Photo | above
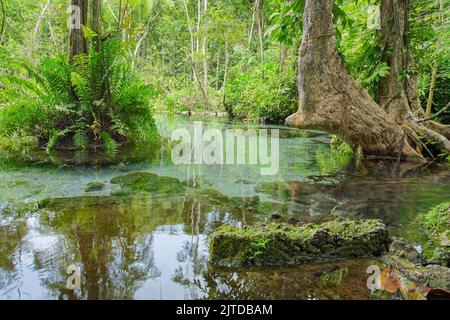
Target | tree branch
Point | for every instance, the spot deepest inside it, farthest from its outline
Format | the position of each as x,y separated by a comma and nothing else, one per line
434,116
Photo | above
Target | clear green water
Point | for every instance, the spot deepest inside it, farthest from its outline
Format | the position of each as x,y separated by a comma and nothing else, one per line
153,244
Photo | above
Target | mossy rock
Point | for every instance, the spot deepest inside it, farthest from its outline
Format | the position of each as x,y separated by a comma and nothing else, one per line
283,244
436,224
144,182
94,186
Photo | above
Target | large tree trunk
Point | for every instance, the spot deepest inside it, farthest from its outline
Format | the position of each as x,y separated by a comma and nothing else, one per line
96,17
332,100
77,43
397,54
398,91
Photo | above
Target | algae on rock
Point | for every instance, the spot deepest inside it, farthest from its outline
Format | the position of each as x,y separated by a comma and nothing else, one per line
436,224
283,244
144,182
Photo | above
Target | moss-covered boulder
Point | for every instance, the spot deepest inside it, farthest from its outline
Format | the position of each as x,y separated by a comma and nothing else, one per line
436,224
283,244
144,182
94,186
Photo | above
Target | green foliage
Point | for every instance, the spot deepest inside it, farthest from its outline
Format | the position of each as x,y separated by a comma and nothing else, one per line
97,101
256,96
430,43
16,143
436,226
338,156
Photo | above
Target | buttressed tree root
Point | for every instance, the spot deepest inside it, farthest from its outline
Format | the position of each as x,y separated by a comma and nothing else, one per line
333,101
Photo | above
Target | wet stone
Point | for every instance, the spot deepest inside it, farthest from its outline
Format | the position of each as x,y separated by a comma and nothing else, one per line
404,249
283,244
144,182
94,186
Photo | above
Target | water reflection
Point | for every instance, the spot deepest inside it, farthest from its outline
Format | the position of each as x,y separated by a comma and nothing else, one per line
146,237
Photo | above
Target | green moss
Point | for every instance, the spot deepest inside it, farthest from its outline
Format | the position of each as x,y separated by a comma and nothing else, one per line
283,244
144,182
94,186
436,224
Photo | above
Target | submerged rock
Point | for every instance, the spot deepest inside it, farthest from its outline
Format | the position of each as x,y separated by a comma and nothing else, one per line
283,244
436,224
144,182
404,249
94,186
414,281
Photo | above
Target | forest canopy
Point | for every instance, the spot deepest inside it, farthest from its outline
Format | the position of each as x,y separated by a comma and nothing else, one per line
99,87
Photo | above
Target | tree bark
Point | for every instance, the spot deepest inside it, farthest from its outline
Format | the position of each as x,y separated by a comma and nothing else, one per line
204,57
2,27
260,9
332,100
398,91
225,78
435,65
77,42
397,54
252,27
96,17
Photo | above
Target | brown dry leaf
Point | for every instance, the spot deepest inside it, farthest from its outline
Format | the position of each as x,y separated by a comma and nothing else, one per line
389,280
411,290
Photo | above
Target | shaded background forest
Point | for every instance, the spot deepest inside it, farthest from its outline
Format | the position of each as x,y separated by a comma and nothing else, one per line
233,56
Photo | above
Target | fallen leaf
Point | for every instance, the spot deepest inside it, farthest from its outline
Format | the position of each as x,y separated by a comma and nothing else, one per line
389,280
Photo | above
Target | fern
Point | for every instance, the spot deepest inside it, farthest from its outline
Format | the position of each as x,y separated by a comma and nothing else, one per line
80,139
109,143
96,99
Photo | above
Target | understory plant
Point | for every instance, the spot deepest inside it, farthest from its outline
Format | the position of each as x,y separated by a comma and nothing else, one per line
262,92
95,102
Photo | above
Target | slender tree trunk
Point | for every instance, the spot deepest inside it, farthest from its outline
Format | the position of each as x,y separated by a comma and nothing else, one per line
52,32
435,65
191,33
332,100
37,27
282,58
204,57
217,70
2,27
225,78
197,47
261,31
432,88
252,28
193,59
77,43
